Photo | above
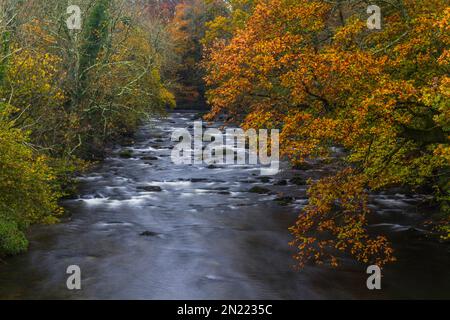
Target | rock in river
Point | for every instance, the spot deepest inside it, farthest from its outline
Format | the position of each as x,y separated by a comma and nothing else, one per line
149,158
281,183
299,181
284,201
150,188
126,154
260,190
148,234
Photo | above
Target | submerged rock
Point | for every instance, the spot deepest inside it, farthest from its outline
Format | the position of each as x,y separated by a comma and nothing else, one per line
302,166
126,154
195,180
148,234
149,158
259,190
222,188
413,232
248,181
150,188
265,179
284,201
281,183
299,181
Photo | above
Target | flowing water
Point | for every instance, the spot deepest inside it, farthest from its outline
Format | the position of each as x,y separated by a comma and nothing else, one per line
204,236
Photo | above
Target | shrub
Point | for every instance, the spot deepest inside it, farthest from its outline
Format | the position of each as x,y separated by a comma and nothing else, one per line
28,192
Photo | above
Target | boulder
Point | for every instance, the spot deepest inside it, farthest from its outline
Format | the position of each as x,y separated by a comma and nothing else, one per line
259,190
148,234
284,201
299,181
150,188
126,154
149,158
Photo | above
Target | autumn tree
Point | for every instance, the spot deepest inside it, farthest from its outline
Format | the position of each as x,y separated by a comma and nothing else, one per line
314,70
187,29
65,95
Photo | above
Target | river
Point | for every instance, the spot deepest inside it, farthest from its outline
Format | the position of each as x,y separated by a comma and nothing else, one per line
204,236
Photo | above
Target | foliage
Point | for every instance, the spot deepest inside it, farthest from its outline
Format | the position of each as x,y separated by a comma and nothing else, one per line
231,20
187,30
96,36
314,69
66,95
28,193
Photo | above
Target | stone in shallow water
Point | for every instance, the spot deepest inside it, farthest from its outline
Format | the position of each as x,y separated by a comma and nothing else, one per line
302,166
221,188
265,179
149,158
148,234
126,154
150,188
195,180
248,181
281,183
299,181
284,201
259,190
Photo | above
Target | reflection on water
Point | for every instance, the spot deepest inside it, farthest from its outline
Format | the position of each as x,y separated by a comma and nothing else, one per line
147,229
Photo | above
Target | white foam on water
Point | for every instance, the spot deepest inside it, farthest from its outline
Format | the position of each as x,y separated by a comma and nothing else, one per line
201,191
89,178
214,277
147,149
110,224
393,226
138,200
186,194
391,202
173,183
95,201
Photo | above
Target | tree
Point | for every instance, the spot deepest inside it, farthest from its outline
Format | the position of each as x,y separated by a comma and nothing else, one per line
313,69
28,193
66,95
187,29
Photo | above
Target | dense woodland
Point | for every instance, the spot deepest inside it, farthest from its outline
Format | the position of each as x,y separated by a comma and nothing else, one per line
310,68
